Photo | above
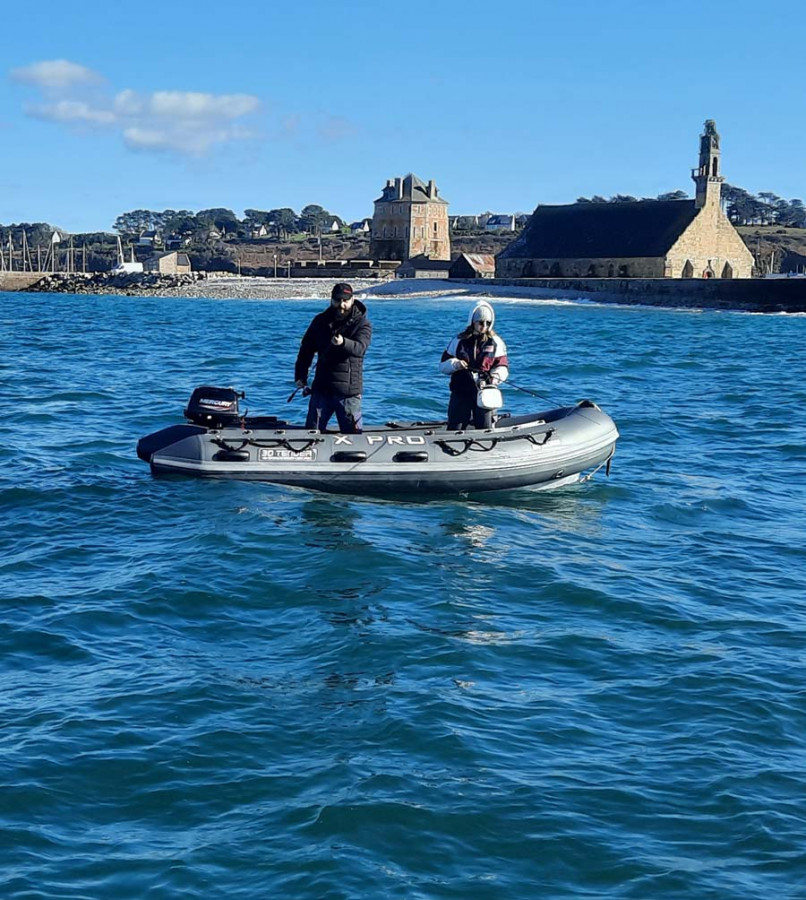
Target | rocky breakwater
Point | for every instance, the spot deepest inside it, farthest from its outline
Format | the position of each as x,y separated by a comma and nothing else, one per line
133,284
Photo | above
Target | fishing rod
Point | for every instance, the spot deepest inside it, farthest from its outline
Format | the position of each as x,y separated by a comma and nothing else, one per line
516,386
305,389
552,401
305,392
530,392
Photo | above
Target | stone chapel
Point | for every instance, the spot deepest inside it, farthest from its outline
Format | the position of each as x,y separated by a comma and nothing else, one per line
635,239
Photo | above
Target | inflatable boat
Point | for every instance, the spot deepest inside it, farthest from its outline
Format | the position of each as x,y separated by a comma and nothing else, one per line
543,450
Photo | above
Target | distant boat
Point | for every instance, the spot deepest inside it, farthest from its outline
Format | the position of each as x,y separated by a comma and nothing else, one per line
126,268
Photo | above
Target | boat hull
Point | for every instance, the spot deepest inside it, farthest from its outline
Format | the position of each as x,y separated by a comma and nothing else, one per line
542,450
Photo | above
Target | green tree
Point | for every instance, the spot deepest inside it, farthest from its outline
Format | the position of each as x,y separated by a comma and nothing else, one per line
182,222
255,217
740,206
282,221
37,234
795,215
314,218
223,220
134,222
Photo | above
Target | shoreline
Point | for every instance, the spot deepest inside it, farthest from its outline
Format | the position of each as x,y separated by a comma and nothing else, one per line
743,295
748,295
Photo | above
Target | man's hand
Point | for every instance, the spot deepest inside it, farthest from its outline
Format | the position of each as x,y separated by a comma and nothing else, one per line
337,340
299,383
463,364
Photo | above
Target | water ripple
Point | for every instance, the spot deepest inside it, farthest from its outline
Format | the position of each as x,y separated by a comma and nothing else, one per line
241,690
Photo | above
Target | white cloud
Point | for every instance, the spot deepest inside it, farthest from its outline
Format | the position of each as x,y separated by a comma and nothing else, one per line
188,122
55,74
190,105
182,122
182,137
145,138
128,103
185,105
72,111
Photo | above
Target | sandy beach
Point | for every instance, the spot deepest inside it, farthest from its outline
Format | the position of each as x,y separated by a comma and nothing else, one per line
224,286
248,288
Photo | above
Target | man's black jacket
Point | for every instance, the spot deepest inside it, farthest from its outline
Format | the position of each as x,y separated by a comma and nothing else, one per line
339,370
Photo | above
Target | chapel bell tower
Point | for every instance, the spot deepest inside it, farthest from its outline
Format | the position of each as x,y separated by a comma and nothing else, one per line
708,175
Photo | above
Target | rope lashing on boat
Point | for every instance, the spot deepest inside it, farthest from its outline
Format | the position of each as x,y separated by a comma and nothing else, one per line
272,444
533,439
478,444
469,444
224,445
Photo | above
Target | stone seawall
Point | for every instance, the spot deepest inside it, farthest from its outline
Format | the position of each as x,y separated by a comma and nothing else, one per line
768,295
18,281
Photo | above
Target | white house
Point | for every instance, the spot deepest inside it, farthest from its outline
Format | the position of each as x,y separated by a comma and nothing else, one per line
500,223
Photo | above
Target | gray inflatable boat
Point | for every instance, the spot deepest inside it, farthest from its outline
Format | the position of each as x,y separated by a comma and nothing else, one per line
543,450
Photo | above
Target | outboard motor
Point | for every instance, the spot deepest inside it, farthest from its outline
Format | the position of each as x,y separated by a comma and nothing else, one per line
214,407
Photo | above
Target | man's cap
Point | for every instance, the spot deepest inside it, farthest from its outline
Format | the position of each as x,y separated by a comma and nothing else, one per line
341,291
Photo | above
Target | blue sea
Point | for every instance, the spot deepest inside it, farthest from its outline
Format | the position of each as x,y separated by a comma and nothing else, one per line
238,690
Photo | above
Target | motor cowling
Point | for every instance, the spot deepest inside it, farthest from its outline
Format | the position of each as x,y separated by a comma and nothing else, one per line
214,407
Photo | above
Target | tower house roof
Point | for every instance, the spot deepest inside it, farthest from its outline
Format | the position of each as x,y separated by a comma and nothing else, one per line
410,188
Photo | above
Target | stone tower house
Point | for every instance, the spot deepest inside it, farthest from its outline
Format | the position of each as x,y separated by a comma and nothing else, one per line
410,219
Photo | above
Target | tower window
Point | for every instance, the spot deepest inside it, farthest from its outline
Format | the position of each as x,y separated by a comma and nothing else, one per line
714,165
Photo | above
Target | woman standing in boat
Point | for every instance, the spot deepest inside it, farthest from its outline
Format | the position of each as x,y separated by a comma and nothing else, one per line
474,358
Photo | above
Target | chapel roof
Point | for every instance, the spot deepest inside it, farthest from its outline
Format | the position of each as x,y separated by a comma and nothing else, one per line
600,230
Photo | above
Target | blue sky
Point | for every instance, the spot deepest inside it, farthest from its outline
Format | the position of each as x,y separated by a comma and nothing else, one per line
110,107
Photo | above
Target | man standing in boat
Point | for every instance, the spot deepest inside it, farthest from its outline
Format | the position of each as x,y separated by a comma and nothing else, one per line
339,337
